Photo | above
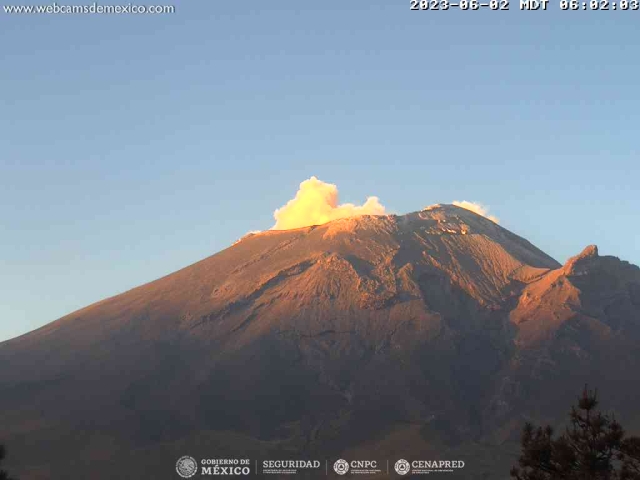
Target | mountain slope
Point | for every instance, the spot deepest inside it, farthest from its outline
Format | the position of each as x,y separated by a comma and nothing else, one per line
423,332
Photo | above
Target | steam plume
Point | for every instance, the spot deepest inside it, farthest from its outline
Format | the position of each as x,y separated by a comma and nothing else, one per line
316,202
476,208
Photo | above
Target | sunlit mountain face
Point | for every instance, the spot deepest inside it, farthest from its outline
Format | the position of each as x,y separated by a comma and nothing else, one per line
435,334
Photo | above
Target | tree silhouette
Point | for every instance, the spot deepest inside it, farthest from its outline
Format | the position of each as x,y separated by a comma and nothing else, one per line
593,447
3,474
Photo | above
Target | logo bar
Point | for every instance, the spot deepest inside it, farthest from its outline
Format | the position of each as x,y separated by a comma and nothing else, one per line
188,467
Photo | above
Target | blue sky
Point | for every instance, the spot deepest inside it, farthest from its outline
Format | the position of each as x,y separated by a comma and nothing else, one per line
131,146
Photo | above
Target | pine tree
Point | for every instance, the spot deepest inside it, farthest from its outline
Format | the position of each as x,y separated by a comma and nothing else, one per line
3,474
593,447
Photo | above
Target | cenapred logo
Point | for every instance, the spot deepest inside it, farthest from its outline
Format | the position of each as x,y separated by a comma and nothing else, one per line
187,466
341,466
418,467
402,467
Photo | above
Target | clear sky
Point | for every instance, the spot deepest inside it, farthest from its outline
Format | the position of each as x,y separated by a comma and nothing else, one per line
131,146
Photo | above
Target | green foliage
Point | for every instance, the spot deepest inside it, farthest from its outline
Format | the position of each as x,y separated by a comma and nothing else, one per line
593,447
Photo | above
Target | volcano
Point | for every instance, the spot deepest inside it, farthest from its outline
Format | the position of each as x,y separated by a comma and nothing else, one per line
435,334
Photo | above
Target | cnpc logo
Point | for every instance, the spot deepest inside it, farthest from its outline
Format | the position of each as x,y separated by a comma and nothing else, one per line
341,467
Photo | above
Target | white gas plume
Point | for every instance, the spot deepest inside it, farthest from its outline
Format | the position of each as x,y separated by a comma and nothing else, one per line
476,208
316,202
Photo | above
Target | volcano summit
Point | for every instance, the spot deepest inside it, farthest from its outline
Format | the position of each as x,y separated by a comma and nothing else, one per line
430,335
